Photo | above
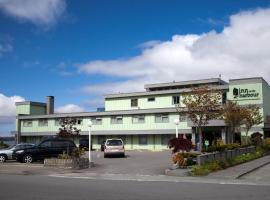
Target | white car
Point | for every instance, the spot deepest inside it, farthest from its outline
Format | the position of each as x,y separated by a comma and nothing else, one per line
114,147
6,154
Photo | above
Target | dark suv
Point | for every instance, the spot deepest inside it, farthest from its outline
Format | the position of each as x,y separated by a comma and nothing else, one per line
46,149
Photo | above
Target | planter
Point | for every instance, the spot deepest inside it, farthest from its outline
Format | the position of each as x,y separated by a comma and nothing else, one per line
73,163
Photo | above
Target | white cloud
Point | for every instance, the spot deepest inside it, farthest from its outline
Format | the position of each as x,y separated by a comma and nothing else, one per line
69,108
241,49
39,12
8,108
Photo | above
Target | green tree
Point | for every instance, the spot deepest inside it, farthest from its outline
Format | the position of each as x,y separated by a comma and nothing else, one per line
201,105
68,128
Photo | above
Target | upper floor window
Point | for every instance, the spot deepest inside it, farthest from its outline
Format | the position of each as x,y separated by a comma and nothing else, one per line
134,102
79,121
27,123
224,98
175,100
138,119
43,122
151,99
96,120
117,120
162,118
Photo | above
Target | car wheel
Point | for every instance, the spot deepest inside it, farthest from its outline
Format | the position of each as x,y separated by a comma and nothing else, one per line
28,159
105,156
3,158
123,155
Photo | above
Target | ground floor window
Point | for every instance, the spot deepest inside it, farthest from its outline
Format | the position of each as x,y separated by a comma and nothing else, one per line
143,140
165,139
101,139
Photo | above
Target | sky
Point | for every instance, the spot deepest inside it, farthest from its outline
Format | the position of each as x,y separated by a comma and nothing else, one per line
78,51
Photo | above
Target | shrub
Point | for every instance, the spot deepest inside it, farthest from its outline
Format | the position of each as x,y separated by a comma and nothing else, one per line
223,147
76,153
201,170
179,144
3,145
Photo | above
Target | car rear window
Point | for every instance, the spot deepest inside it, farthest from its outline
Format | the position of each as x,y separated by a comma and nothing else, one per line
114,143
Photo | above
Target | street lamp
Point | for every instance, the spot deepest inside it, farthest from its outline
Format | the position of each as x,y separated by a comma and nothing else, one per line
89,139
176,122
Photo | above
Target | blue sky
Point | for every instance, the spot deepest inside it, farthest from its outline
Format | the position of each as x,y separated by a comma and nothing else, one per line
80,50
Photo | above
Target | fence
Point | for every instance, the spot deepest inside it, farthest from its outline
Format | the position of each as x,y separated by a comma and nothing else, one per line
223,155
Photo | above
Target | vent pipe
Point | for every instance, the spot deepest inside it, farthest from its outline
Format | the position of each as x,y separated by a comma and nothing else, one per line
50,105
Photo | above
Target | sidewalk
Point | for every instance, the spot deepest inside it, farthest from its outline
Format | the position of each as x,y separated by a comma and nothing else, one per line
238,171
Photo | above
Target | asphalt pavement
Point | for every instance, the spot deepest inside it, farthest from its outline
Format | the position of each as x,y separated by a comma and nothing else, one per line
26,187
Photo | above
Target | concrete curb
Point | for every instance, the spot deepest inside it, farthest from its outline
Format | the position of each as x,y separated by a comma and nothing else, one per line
252,170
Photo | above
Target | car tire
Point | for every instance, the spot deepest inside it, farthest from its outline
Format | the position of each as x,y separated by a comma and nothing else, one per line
28,158
123,155
105,156
3,158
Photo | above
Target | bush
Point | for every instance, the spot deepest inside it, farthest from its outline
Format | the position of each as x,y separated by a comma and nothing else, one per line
225,147
3,145
76,153
201,170
267,144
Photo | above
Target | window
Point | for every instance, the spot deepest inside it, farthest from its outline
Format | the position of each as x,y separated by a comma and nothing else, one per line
165,139
142,139
175,100
134,102
117,120
224,98
138,119
79,121
27,123
151,99
183,118
96,120
45,144
43,122
162,118
57,122
101,139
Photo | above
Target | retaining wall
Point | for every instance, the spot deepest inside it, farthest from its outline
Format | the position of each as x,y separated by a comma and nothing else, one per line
223,155
75,163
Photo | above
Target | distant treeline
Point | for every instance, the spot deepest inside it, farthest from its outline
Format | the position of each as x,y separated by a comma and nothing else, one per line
7,138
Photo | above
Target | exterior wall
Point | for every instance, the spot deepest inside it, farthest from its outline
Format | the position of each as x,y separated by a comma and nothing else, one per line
161,101
252,88
23,109
37,110
266,99
127,124
29,109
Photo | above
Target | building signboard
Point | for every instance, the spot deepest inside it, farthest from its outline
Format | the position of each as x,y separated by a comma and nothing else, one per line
245,94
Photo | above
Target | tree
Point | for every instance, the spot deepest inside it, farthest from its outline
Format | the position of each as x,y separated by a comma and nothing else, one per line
179,144
252,117
202,104
68,128
233,116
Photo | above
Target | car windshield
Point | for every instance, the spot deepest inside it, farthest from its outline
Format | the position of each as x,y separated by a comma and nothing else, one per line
12,146
114,143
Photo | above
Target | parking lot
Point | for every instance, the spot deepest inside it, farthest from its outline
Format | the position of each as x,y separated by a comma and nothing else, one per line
135,163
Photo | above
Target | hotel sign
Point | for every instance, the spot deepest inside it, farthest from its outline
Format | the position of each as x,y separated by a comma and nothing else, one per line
244,94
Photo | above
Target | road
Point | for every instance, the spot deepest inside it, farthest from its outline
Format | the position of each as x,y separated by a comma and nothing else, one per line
26,187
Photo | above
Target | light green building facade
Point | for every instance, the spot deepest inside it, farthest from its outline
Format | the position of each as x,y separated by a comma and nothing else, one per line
144,120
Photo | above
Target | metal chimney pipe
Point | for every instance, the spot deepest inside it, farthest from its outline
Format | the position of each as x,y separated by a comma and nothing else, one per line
50,105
